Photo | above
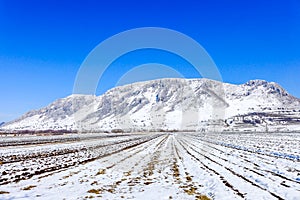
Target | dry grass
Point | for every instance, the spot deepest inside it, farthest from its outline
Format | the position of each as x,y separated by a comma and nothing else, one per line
94,191
111,190
94,183
202,197
175,170
189,179
29,187
191,191
127,173
101,171
148,183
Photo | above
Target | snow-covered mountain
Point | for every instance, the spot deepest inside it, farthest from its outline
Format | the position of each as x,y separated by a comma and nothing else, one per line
170,104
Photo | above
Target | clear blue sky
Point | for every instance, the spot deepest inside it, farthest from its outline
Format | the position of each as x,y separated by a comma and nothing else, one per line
43,43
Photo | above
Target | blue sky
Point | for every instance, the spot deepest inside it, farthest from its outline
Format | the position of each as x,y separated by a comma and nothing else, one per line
43,43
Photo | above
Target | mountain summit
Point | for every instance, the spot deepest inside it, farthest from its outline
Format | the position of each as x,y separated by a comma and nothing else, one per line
171,104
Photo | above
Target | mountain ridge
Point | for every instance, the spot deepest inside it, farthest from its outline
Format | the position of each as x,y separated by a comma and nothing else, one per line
170,104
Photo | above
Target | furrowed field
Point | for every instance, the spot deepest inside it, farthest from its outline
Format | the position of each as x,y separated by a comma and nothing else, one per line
151,166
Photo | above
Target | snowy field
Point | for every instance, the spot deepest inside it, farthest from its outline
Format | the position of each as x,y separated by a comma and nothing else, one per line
151,166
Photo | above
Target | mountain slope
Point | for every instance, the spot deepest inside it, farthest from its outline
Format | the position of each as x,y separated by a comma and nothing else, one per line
181,104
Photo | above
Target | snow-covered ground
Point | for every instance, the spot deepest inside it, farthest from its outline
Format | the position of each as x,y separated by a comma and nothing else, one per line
152,166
